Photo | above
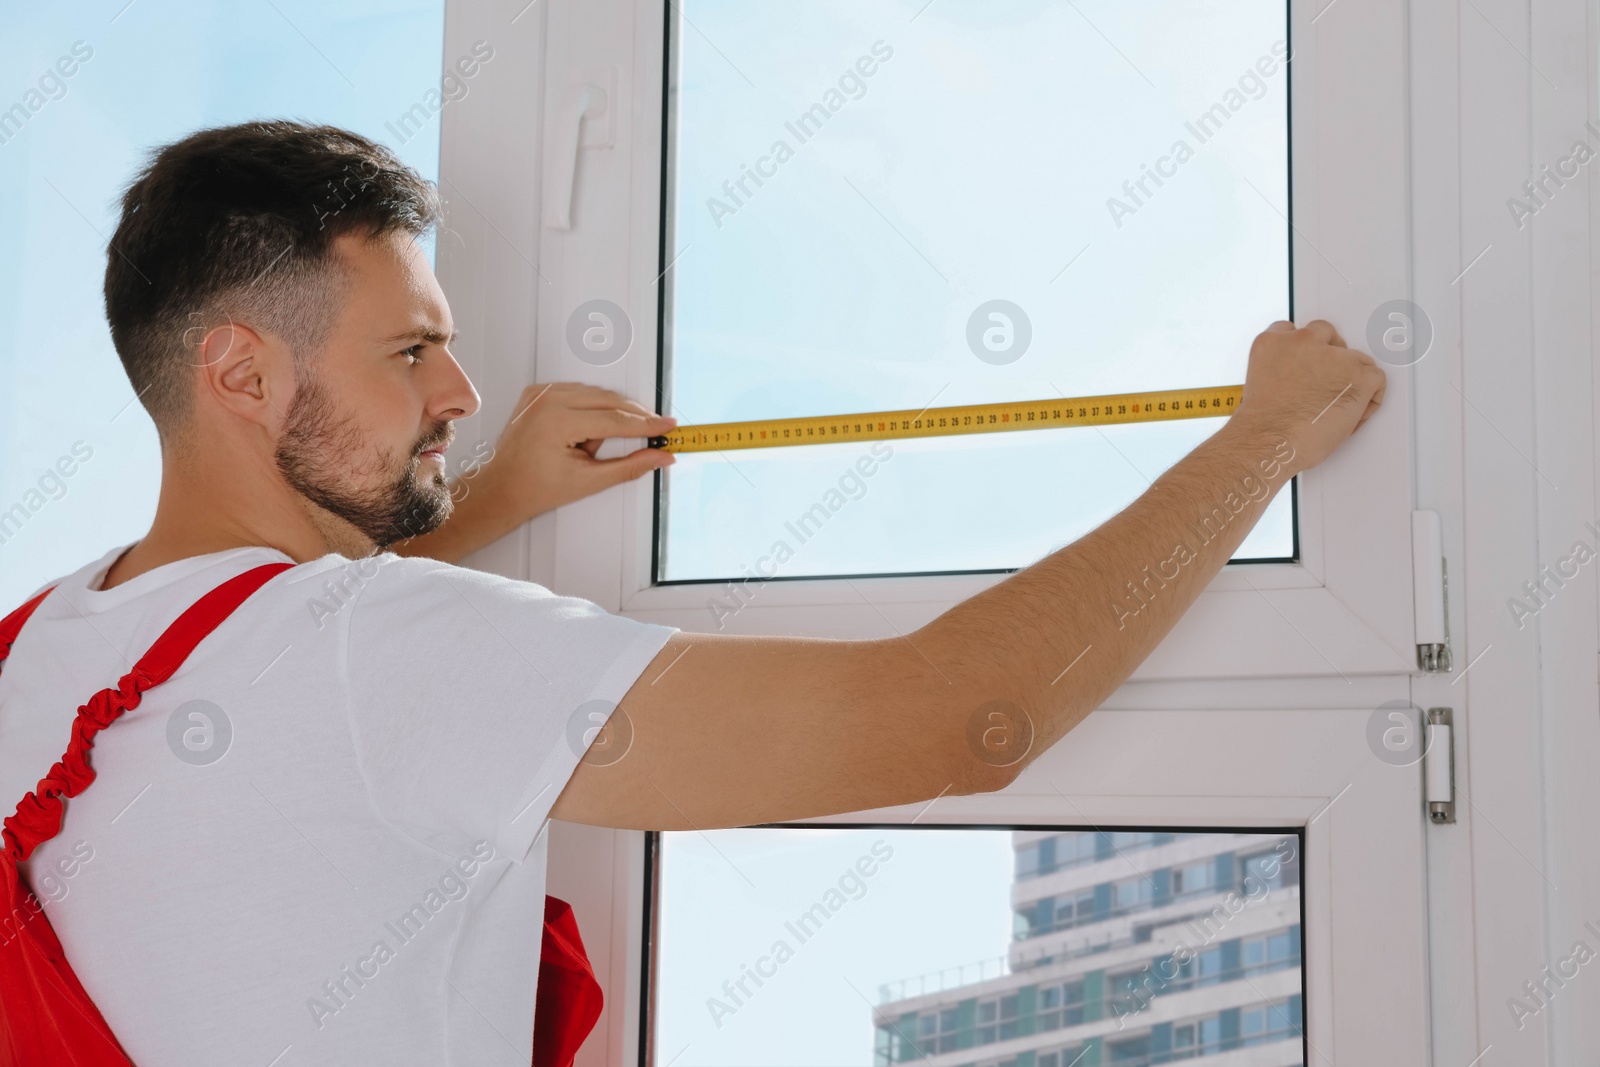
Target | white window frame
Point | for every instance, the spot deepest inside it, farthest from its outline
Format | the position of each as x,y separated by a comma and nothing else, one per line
1347,602
1362,871
1499,90
1479,117
1345,608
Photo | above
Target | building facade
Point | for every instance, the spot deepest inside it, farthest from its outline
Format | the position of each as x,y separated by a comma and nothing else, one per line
1131,948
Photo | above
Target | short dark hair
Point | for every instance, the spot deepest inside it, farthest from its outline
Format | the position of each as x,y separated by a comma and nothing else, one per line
237,223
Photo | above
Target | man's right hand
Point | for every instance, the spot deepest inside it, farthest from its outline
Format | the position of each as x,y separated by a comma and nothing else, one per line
1304,386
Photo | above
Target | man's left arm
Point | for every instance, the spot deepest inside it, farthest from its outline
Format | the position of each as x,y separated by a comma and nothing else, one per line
545,458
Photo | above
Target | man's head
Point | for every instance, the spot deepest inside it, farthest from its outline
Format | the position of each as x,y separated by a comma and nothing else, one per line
268,298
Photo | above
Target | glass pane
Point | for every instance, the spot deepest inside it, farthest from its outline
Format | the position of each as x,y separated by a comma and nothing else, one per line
143,75
856,181
797,947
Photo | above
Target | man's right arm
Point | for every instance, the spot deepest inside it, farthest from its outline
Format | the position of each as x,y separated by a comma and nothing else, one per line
732,731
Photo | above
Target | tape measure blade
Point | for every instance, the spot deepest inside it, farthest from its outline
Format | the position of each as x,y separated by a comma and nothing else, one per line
1059,413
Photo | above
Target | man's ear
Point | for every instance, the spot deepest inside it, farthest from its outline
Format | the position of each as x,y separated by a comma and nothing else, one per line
244,373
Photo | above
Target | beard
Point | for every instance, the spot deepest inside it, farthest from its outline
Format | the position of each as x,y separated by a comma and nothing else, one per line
323,455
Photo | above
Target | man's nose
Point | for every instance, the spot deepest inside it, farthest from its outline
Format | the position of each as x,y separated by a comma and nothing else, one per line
453,395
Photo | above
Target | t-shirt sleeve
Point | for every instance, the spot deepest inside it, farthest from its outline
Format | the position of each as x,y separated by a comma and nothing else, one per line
473,697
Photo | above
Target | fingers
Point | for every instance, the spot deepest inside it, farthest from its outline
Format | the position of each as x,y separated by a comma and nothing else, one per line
579,396
586,424
627,468
584,396
1375,401
1324,332
591,398
1320,330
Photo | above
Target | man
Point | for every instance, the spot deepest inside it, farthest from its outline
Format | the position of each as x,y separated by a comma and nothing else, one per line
357,876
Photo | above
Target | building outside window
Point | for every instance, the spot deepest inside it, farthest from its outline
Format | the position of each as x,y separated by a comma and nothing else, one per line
1060,852
1196,955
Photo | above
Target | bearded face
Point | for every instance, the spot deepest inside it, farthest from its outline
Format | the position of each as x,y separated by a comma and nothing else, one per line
325,457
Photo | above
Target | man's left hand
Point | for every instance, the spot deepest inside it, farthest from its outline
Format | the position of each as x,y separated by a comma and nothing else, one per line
546,455
545,458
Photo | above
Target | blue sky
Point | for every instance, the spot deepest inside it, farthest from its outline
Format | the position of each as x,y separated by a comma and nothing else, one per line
159,69
942,899
974,163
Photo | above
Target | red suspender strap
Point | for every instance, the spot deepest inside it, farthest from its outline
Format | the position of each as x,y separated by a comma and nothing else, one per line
569,1000
38,816
11,625
45,1015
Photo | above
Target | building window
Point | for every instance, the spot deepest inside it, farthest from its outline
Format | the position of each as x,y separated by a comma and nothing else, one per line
1209,966
987,1010
1269,870
1057,853
1130,993
1010,1024
1264,1023
1060,1005
1075,910
1133,1050
1271,952
1132,894
1036,859
1193,878
1076,848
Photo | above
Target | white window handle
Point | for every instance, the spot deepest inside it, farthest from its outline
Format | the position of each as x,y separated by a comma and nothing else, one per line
561,171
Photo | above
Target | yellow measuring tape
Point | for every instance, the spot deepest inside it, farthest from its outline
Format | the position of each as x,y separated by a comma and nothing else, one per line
1155,406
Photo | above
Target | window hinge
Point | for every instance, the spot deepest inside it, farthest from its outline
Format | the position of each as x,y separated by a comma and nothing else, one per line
1439,766
1430,592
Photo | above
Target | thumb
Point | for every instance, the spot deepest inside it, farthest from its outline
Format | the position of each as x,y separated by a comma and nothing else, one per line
627,468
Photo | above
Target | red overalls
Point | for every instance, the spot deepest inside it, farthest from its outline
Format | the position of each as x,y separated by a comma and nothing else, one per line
46,1017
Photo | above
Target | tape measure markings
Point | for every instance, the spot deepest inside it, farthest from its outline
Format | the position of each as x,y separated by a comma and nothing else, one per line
1109,410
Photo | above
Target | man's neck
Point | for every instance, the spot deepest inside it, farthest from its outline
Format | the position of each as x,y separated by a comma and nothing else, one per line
197,516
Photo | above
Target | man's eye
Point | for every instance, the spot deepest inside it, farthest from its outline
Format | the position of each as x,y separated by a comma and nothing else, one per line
414,353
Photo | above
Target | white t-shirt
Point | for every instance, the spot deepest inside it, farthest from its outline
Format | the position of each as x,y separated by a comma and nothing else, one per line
359,878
